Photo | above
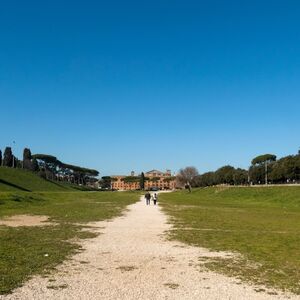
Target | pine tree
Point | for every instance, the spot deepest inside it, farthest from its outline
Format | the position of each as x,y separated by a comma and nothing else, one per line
27,164
142,181
8,158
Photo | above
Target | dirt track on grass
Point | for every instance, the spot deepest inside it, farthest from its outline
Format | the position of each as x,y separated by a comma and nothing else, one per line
26,220
133,260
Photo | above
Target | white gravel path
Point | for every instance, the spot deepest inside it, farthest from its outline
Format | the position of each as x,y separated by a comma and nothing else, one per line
133,260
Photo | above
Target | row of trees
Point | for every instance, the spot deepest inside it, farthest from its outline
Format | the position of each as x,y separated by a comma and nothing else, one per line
267,169
264,169
49,167
190,177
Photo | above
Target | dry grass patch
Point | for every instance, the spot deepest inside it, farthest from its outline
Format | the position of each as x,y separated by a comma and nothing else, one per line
172,286
126,268
57,287
26,220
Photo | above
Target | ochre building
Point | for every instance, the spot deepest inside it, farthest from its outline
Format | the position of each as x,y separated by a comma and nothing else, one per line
154,179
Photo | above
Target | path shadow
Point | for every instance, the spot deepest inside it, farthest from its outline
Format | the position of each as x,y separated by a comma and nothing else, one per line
14,185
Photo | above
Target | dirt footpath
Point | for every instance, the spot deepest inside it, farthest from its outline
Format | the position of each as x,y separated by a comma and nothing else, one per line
133,260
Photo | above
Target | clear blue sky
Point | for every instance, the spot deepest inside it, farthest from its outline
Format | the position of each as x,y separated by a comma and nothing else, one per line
136,85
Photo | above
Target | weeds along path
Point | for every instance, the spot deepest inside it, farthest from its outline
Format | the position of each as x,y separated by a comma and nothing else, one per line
132,259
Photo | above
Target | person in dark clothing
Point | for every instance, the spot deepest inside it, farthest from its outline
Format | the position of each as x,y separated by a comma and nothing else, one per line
148,198
188,187
155,198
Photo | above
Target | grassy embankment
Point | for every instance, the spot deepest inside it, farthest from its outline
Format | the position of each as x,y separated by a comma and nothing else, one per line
26,251
26,181
262,224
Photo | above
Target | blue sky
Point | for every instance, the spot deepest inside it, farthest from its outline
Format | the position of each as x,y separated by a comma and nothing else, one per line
137,85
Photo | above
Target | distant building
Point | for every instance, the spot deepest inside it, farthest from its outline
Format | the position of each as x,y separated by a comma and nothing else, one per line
154,179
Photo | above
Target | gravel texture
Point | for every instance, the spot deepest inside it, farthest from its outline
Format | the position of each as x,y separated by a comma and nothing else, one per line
133,260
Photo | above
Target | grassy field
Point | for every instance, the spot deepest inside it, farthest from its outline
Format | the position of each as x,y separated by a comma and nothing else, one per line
26,251
262,224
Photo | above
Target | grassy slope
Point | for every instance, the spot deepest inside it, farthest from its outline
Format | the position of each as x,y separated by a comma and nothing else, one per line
263,224
23,249
23,180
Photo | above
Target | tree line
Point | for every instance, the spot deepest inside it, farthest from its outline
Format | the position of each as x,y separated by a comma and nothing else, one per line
264,169
48,167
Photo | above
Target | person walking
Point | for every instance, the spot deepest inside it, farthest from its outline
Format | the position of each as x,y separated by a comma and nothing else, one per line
155,198
148,198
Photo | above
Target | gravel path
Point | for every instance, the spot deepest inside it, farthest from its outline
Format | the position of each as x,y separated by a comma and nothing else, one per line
133,260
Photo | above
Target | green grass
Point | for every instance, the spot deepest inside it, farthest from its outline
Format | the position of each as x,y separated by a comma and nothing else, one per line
262,224
23,180
27,251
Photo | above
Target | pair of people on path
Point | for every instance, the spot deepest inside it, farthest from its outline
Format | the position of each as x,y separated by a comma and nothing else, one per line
148,198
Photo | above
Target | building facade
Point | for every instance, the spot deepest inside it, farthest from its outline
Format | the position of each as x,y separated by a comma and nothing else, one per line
154,179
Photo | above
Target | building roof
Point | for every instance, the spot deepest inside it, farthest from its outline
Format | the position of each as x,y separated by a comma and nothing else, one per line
154,171
149,172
